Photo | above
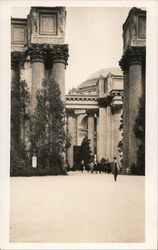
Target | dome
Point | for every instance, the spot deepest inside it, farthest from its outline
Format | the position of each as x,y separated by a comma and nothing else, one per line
92,79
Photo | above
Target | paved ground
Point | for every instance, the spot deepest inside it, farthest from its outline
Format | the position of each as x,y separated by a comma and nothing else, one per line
77,208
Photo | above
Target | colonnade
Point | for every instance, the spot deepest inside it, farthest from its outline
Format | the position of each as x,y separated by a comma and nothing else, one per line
102,130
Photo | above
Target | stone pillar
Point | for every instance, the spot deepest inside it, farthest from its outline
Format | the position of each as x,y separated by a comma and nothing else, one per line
59,58
38,73
91,130
98,139
13,68
59,77
102,133
125,121
72,133
131,63
135,92
116,133
77,130
28,72
17,60
108,132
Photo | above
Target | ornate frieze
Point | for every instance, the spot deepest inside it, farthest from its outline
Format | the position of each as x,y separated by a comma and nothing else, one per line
132,55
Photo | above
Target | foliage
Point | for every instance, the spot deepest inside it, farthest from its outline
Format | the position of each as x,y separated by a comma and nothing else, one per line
85,152
19,116
48,137
120,144
139,130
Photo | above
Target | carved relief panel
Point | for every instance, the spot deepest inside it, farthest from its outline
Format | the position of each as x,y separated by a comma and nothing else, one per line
18,34
142,27
48,24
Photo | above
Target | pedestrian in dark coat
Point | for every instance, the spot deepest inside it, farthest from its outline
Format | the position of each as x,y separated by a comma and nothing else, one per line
115,168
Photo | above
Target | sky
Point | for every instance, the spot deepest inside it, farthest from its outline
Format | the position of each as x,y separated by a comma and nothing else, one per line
94,36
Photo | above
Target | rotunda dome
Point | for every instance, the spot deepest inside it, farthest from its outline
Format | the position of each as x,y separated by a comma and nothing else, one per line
92,79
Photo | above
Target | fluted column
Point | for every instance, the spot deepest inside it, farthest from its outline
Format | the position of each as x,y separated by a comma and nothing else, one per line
125,121
71,131
135,92
102,133
131,63
38,73
108,132
91,129
116,133
13,68
17,61
27,73
98,138
59,56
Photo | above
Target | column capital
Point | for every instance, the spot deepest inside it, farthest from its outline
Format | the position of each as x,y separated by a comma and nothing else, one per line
92,112
103,102
70,112
132,55
50,53
17,59
116,108
36,51
60,54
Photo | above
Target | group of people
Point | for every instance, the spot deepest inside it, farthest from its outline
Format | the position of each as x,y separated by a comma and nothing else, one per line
102,167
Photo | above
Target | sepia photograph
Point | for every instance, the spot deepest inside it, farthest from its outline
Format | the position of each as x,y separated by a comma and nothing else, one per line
78,109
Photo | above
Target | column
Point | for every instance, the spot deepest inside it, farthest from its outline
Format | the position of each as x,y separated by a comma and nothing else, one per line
102,133
108,132
77,131
71,132
59,58
91,130
13,68
98,138
28,72
38,73
131,64
16,58
116,132
125,121
135,92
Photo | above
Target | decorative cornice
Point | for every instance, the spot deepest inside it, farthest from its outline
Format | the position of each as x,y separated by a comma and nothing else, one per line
81,98
132,55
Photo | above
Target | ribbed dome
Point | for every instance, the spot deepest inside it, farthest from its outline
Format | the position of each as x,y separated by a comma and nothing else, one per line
92,79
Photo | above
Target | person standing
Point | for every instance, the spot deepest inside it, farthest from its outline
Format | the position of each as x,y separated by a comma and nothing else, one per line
82,166
115,168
